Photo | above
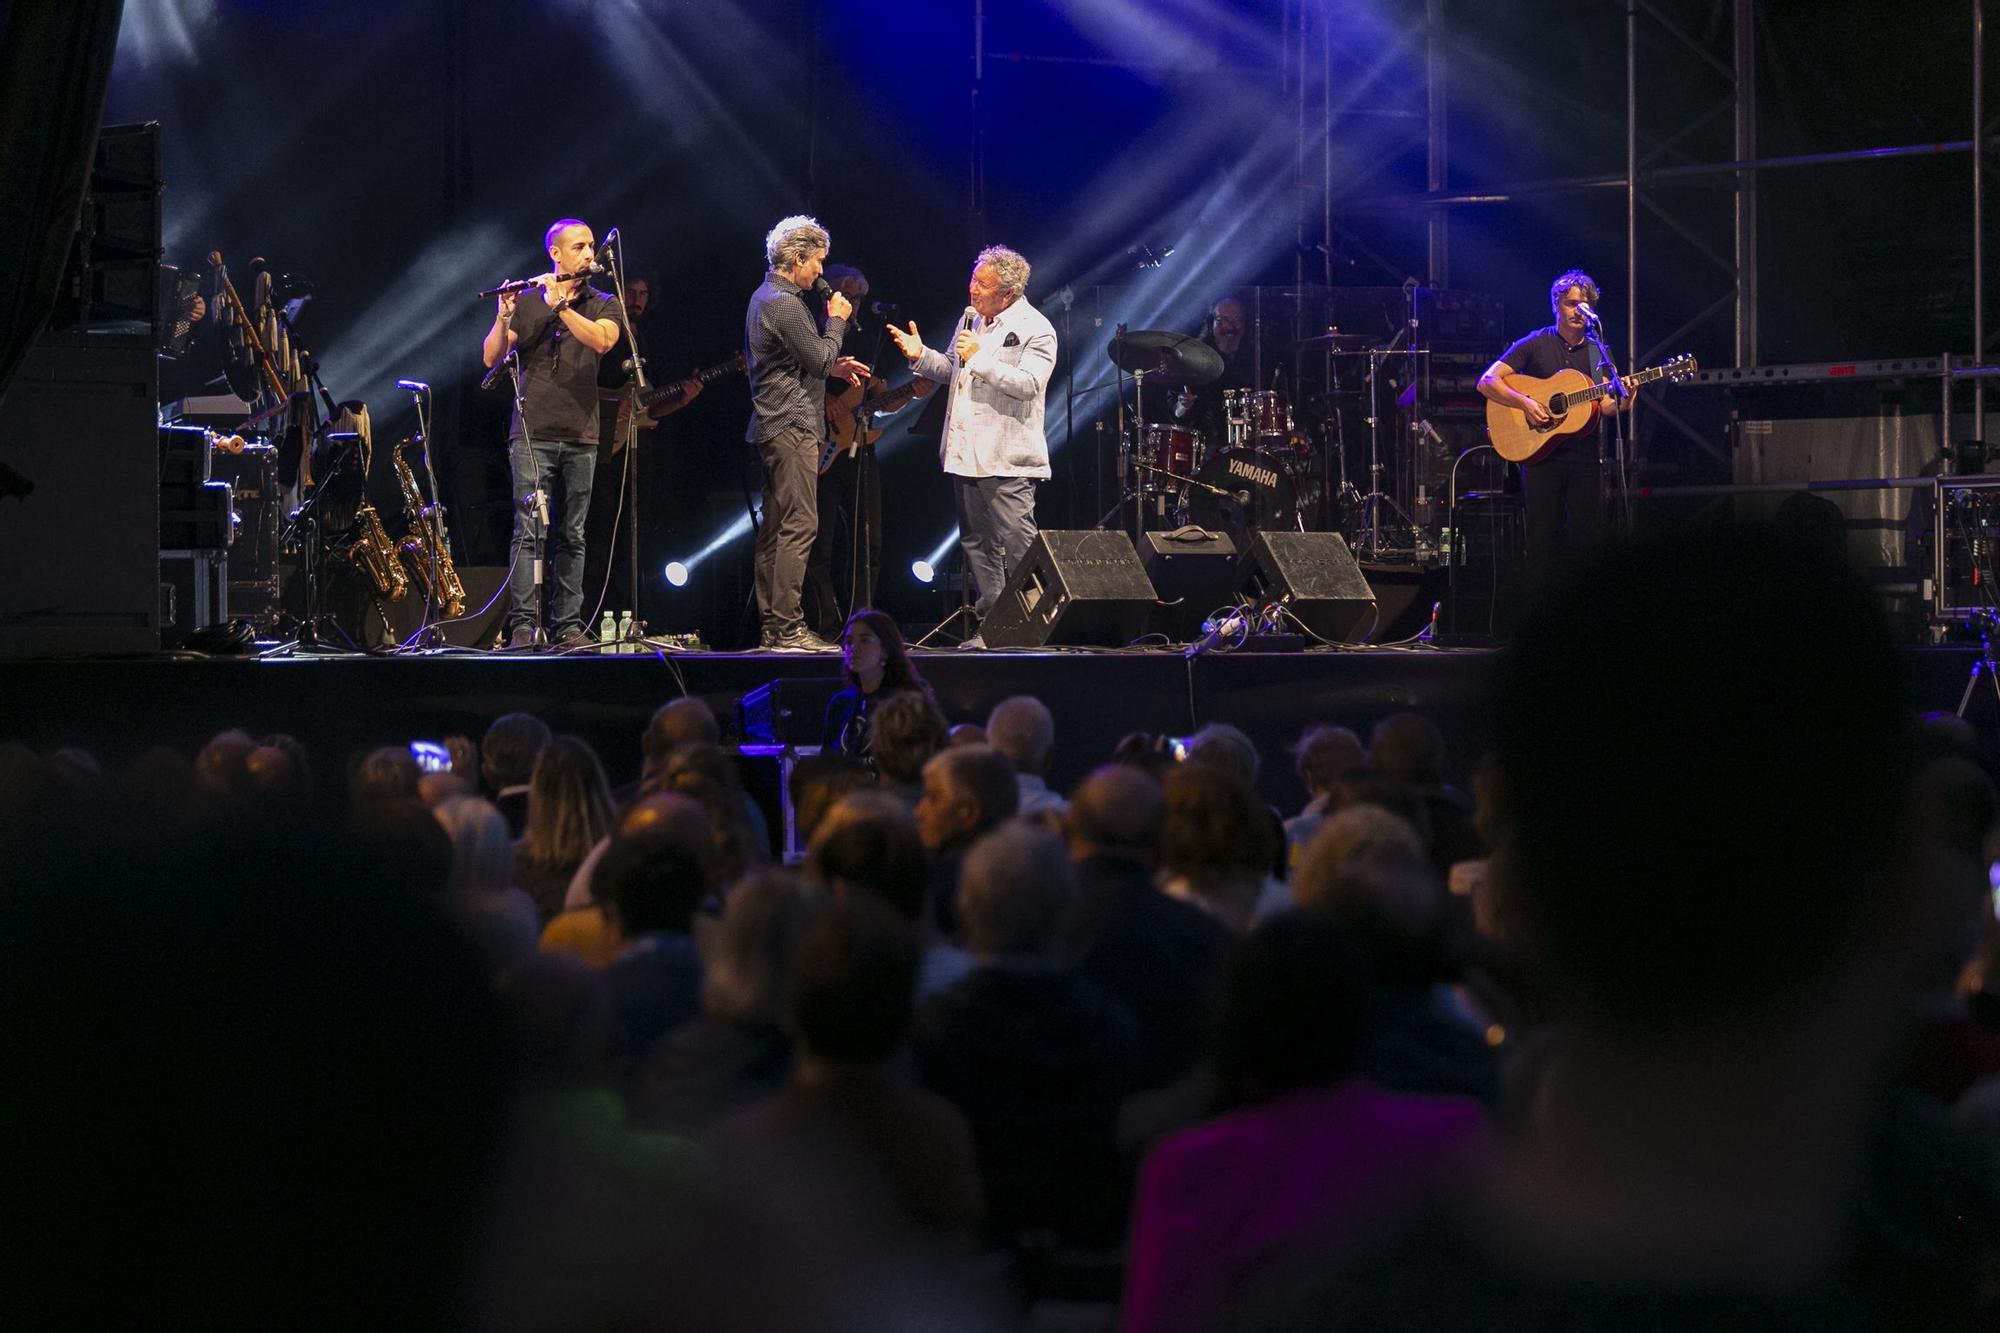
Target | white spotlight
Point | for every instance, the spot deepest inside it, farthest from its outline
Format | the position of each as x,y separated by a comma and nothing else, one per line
923,570
677,573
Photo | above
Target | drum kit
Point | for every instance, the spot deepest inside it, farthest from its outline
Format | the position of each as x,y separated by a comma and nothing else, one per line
1260,465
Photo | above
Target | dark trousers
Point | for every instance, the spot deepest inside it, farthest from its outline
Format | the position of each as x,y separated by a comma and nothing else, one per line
604,535
790,521
996,526
547,567
1564,495
831,574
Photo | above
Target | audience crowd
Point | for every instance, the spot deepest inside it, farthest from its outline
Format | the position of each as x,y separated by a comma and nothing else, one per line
1681,1012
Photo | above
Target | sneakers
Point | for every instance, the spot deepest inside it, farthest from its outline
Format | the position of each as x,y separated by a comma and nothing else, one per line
975,644
799,640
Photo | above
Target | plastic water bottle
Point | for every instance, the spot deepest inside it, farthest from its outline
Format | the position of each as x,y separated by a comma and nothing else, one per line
625,644
607,630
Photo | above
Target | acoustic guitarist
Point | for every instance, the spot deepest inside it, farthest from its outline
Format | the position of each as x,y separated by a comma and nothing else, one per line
1564,490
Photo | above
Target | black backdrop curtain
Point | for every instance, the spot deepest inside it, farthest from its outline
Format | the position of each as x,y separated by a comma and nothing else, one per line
55,63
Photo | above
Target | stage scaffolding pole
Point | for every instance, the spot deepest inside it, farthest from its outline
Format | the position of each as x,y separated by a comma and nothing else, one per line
1978,214
1437,170
1745,212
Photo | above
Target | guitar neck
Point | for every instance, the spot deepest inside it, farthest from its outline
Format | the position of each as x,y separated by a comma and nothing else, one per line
891,398
1632,381
702,376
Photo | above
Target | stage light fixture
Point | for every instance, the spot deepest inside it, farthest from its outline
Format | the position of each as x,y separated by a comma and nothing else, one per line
677,573
923,570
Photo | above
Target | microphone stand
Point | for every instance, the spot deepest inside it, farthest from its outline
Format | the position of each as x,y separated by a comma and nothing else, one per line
533,505
1593,330
861,568
429,635
630,478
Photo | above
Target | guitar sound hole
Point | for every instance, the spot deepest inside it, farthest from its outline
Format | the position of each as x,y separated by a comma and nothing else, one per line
1558,404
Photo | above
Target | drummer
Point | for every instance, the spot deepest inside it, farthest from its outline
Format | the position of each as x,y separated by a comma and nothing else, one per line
1201,408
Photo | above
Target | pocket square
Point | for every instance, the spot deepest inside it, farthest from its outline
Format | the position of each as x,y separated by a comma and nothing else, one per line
1011,340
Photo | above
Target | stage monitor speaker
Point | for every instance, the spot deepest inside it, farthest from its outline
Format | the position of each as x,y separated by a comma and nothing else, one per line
472,630
1314,576
1194,573
1073,588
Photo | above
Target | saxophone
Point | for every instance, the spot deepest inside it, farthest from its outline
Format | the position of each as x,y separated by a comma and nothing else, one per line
372,550
425,546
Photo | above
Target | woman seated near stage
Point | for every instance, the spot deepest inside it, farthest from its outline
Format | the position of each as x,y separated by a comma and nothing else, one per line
878,666
569,813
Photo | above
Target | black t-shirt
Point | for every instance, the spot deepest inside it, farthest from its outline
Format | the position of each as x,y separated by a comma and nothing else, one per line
1541,354
559,373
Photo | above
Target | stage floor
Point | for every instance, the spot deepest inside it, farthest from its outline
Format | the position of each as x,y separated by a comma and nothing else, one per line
340,704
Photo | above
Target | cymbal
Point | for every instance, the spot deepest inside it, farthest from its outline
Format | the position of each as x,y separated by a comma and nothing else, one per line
1176,358
1336,341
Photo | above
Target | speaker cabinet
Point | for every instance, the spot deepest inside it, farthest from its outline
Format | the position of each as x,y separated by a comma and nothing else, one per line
80,500
481,626
1193,572
1073,588
1314,576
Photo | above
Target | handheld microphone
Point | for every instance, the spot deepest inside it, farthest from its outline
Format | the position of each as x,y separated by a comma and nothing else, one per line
1589,315
822,288
413,386
970,315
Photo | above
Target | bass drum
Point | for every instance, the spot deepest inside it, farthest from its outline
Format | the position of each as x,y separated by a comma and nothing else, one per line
1261,491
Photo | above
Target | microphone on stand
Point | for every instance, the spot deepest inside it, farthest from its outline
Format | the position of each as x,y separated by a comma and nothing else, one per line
413,386
1589,315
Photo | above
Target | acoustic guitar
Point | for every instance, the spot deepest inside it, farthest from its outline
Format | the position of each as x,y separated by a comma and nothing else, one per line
1568,395
847,410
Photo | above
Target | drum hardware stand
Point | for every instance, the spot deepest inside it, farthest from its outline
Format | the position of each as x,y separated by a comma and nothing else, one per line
1368,530
1987,620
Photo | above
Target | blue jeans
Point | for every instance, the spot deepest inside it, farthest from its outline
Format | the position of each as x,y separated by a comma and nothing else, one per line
563,473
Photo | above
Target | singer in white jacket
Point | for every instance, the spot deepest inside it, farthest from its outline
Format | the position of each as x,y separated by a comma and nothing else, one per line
993,447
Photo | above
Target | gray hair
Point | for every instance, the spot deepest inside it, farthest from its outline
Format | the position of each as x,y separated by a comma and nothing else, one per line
763,923
482,847
1023,729
1007,265
794,239
1014,892
1226,747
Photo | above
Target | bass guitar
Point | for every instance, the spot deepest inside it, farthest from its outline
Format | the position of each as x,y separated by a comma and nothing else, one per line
1568,395
847,410
666,399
